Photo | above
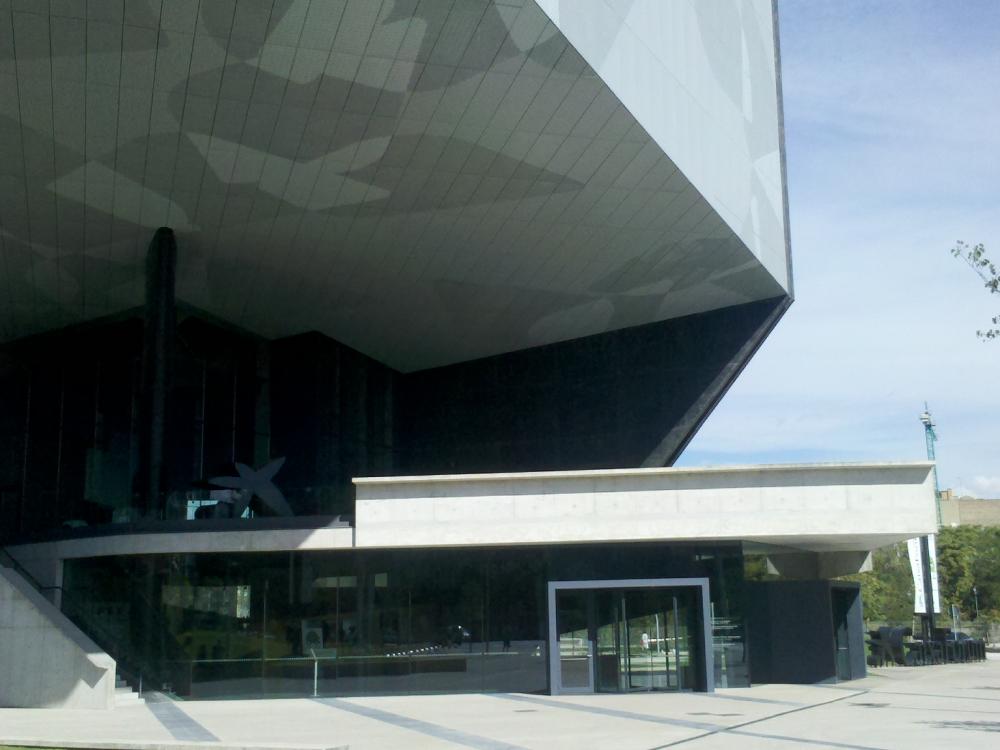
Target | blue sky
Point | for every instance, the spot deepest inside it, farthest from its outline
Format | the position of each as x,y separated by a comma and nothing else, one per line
892,120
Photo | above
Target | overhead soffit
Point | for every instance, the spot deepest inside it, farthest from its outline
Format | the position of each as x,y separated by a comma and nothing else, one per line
428,181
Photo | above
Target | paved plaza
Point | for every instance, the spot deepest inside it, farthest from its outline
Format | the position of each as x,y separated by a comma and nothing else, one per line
946,706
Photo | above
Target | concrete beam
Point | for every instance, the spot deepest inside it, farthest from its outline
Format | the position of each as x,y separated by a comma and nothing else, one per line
816,565
819,508
41,556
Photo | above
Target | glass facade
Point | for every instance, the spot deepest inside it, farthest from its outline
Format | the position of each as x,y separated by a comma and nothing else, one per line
366,622
621,640
79,446
71,432
251,433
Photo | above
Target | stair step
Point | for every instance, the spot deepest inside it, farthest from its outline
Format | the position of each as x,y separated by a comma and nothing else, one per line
128,699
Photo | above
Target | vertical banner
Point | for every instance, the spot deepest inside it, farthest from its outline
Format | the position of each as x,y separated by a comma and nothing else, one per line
917,568
932,546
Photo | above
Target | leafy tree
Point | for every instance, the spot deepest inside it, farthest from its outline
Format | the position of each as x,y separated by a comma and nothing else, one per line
887,589
986,574
956,552
967,558
978,261
755,568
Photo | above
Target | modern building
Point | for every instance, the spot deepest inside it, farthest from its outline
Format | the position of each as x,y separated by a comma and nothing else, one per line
347,347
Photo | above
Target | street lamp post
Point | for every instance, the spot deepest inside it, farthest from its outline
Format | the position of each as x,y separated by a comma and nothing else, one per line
975,595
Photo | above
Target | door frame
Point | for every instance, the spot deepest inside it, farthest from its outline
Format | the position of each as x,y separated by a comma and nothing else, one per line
555,671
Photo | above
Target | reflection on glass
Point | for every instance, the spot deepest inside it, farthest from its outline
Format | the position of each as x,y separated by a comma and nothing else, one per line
610,635
71,424
401,621
575,645
646,638
271,624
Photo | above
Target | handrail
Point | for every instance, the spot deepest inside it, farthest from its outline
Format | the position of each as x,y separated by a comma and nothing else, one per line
109,644
103,639
23,572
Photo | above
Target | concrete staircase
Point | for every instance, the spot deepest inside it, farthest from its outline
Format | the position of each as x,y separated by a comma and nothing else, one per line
125,695
45,660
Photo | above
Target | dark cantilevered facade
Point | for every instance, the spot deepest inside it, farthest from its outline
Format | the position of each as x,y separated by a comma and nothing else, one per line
253,252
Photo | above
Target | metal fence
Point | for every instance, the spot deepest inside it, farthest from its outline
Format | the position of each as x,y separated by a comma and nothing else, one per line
988,630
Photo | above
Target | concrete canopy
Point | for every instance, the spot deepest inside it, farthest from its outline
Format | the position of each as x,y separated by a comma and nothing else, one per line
820,508
426,181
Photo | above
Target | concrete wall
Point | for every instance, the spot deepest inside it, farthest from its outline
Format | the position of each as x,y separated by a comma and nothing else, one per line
822,508
831,509
45,660
970,511
702,79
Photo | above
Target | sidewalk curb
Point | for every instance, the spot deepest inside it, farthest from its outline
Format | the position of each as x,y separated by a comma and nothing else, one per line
165,745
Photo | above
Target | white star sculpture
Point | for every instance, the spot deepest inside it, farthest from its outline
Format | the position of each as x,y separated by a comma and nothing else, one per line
257,482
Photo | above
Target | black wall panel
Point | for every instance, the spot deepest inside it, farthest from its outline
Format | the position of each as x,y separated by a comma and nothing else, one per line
331,419
603,401
71,427
790,628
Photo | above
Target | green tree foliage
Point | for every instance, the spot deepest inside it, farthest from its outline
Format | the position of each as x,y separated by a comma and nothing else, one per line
956,549
755,568
978,261
887,589
968,557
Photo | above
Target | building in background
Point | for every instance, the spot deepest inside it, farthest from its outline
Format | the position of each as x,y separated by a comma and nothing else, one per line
968,511
387,407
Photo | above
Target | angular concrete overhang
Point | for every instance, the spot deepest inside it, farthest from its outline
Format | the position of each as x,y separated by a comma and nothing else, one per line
43,560
817,508
811,507
427,182
247,539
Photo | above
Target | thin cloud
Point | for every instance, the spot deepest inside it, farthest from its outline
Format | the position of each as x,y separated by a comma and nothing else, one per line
987,486
893,154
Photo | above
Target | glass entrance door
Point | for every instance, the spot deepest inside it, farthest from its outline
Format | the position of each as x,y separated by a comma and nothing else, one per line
629,639
610,637
658,652
650,628
574,644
